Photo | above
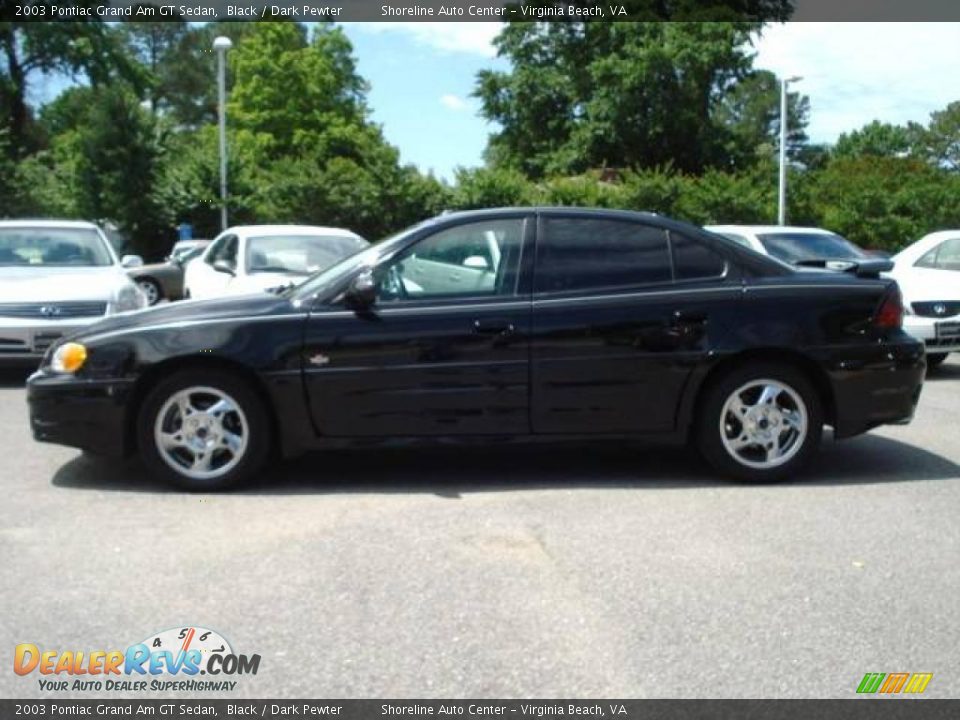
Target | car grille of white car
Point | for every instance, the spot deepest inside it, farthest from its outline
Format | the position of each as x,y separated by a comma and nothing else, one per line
53,310
937,308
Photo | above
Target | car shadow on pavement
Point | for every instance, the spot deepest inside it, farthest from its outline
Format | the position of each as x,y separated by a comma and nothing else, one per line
14,377
949,370
450,472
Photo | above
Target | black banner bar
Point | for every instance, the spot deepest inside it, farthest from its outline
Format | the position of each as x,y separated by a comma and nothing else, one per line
873,708
470,10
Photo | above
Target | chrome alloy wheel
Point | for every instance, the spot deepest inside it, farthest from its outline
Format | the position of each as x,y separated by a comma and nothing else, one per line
763,423
201,432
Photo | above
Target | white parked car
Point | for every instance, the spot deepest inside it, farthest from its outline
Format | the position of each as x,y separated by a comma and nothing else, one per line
795,245
252,258
55,278
928,273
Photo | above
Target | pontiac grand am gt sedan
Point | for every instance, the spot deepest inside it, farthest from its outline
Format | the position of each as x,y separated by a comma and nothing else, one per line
57,277
529,323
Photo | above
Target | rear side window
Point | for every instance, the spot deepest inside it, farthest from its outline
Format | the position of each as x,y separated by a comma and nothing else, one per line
693,260
945,256
595,254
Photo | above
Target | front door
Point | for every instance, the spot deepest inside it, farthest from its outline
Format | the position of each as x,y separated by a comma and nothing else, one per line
443,350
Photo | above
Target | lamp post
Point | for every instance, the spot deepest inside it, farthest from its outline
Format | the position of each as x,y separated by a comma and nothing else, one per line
221,45
782,188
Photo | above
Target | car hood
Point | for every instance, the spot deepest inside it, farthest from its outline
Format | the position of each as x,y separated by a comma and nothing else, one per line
60,284
192,311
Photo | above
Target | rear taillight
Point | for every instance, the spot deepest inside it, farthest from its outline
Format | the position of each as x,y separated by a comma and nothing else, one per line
889,315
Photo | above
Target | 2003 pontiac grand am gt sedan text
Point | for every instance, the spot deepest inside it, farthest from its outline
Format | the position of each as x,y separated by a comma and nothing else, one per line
546,323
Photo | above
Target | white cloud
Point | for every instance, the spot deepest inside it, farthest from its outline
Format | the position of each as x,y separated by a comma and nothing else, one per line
453,102
475,38
854,73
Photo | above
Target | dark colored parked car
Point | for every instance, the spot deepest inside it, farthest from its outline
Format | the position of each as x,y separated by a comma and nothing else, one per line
542,324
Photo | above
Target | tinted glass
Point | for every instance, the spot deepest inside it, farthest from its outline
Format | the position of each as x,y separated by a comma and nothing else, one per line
299,254
477,259
692,259
32,247
592,254
798,247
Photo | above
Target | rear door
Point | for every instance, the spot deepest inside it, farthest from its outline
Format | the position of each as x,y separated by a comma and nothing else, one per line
623,311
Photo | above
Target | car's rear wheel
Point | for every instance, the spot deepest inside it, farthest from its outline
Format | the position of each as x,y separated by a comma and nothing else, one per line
151,289
935,359
760,423
203,430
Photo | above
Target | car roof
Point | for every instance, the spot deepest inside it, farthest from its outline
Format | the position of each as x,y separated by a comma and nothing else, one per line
292,229
42,223
921,246
769,229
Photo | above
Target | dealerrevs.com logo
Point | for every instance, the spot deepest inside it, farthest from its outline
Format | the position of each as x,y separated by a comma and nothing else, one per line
171,660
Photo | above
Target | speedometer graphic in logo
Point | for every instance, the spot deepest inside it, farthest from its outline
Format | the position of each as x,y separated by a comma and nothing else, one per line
184,639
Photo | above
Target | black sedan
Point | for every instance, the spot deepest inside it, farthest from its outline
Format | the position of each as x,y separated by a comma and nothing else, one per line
539,324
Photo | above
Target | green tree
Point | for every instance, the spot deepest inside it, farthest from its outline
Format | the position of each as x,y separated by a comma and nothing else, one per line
879,139
942,137
635,95
92,50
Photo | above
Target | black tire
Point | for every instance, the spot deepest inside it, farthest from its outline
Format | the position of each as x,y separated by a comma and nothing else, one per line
708,423
935,360
151,288
252,411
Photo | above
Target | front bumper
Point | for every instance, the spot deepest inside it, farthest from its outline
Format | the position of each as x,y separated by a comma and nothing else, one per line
880,385
940,335
25,341
87,414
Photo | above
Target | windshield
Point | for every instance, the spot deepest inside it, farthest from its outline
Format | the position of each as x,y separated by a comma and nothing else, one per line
299,254
53,247
800,247
333,275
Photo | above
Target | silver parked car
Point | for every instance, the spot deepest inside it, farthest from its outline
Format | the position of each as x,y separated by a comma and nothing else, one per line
56,277
164,280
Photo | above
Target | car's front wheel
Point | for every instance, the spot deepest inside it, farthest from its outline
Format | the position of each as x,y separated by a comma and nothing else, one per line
760,423
935,359
203,430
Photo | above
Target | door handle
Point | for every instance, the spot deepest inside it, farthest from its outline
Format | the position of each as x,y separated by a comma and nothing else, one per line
493,327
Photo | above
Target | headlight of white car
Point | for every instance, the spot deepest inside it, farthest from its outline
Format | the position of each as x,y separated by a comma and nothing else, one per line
129,297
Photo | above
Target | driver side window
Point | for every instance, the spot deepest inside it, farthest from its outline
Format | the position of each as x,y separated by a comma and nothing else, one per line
478,259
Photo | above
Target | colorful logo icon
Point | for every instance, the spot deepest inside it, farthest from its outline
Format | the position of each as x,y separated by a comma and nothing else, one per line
893,683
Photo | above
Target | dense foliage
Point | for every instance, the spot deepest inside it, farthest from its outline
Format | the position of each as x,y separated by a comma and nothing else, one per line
667,117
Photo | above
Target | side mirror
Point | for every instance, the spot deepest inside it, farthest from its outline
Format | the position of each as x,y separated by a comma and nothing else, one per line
131,261
224,266
362,292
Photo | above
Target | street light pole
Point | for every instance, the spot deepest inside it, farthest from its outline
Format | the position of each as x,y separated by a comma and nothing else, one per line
221,45
782,186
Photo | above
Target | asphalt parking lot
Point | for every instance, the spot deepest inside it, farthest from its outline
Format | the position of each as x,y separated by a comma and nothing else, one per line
573,571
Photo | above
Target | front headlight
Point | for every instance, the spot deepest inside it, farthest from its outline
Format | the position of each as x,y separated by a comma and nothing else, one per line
68,358
130,298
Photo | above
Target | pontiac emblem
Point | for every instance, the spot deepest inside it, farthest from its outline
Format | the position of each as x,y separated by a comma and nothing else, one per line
49,310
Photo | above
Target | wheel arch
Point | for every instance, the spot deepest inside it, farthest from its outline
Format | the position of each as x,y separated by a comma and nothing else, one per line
155,373
792,358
